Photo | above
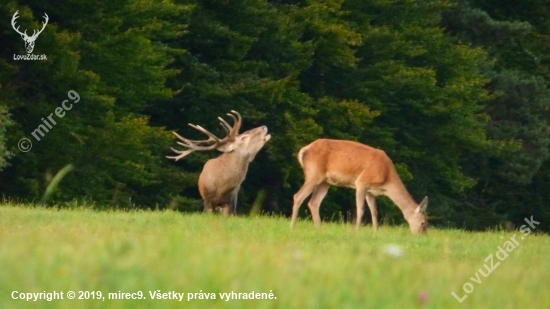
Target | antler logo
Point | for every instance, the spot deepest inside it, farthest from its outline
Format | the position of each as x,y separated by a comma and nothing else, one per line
29,40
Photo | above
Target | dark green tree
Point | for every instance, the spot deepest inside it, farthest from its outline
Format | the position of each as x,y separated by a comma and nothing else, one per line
515,35
113,55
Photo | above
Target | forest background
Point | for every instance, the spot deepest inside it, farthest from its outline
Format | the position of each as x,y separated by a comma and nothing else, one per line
456,93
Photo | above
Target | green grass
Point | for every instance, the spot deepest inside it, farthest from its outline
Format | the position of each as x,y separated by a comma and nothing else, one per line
332,267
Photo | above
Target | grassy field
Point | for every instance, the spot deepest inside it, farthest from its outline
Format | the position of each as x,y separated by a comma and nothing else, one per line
97,253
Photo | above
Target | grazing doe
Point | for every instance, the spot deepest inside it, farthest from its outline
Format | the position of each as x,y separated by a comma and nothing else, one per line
368,170
221,177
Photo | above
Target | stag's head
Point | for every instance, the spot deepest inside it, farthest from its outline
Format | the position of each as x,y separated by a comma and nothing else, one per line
29,40
418,221
252,141
249,142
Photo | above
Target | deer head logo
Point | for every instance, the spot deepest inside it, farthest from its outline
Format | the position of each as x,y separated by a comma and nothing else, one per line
29,40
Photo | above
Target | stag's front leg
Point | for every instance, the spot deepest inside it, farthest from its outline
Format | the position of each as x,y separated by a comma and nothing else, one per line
233,202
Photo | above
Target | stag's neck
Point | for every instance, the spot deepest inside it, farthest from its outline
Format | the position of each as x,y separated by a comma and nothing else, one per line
235,159
397,192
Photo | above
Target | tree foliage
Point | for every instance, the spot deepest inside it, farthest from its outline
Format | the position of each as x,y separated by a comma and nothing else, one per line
515,36
454,91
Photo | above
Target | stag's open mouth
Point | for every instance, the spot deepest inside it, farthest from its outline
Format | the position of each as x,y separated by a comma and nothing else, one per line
266,136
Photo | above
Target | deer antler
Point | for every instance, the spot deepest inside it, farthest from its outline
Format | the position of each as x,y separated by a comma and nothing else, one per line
34,33
13,24
43,26
236,127
195,145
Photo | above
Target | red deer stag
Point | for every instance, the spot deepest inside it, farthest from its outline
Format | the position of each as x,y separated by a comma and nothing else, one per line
221,177
370,171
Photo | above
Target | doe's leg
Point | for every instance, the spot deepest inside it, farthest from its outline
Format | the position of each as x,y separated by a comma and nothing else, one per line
315,202
371,201
299,198
360,203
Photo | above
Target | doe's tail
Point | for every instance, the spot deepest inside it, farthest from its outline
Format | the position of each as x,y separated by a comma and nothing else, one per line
301,156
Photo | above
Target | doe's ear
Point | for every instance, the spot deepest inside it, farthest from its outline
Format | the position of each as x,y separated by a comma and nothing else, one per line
423,205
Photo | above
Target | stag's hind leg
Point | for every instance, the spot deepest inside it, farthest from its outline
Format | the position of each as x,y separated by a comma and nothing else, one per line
226,210
208,207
